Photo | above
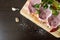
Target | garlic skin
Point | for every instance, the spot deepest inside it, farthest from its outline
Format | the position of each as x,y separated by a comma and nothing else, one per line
14,9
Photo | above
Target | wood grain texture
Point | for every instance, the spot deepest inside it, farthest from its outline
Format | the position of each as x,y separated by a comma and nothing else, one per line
25,12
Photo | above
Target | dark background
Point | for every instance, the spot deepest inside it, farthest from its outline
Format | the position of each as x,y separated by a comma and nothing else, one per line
23,30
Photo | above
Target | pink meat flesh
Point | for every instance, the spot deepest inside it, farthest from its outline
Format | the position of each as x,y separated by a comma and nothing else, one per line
53,21
31,8
33,2
45,13
42,14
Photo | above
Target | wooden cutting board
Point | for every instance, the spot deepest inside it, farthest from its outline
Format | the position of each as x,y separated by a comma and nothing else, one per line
25,12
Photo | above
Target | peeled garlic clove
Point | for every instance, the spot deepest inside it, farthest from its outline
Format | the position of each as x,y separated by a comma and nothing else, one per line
16,19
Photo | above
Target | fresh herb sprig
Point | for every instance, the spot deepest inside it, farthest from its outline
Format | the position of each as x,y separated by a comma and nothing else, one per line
55,12
38,11
37,6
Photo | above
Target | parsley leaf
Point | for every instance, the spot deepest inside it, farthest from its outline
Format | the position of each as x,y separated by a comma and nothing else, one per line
45,6
37,5
38,11
55,12
50,1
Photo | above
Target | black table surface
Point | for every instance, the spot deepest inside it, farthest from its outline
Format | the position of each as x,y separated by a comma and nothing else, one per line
24,29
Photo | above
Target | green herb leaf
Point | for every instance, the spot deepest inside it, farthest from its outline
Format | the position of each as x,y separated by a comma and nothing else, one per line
37,5
47,1
59,7
37,11
45,6
44,1
50,1
55,12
